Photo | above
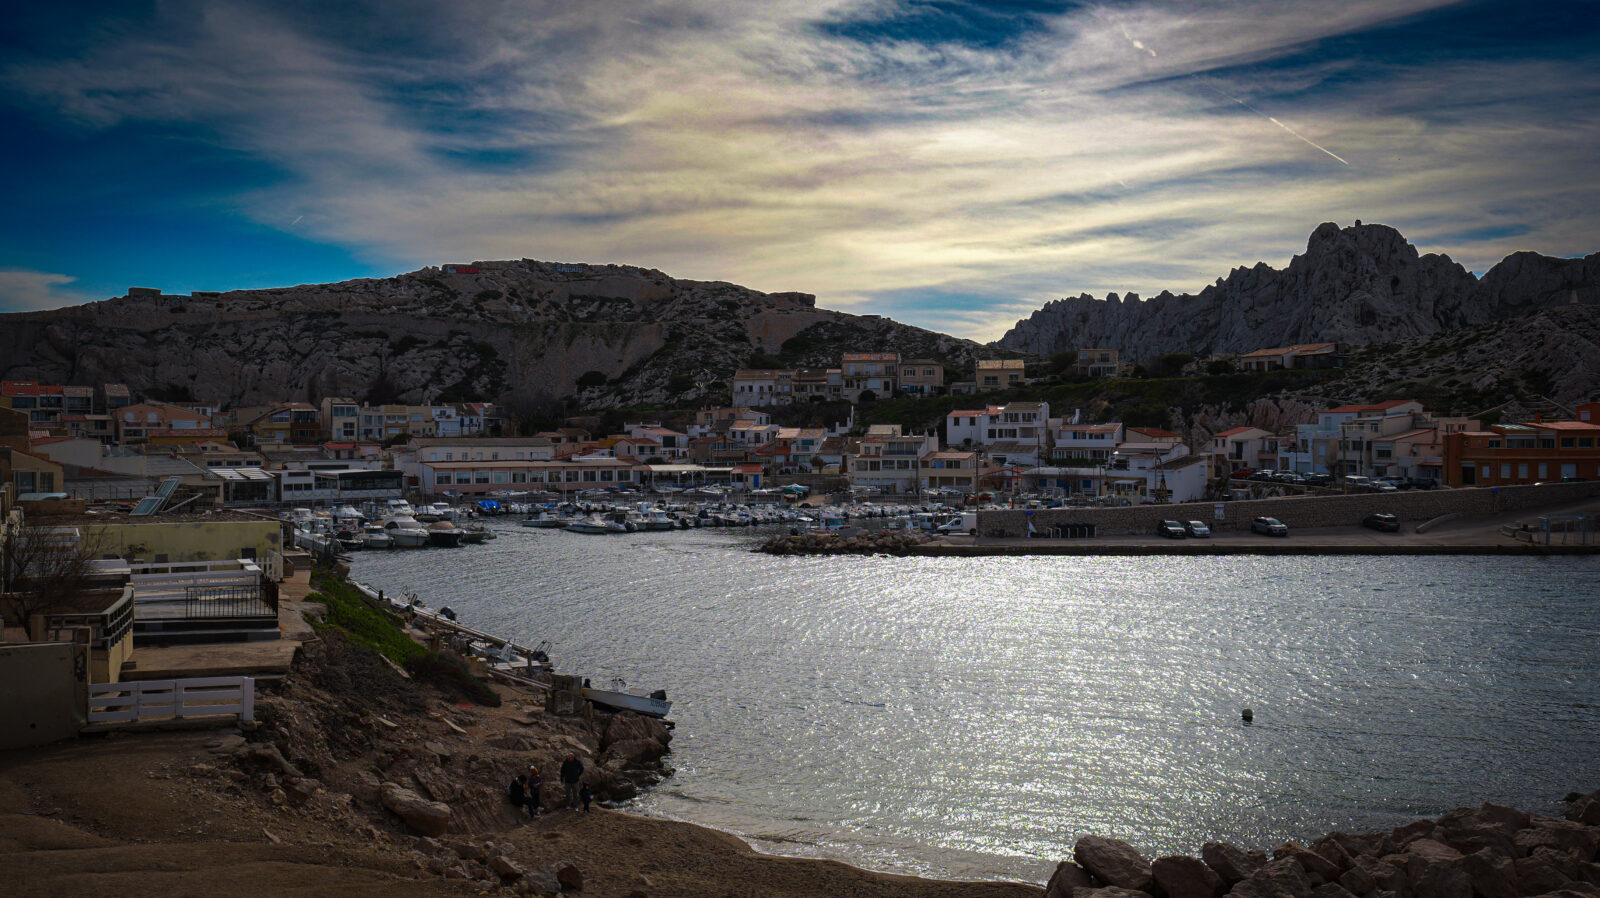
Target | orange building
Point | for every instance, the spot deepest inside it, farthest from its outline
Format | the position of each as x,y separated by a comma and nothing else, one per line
1535,452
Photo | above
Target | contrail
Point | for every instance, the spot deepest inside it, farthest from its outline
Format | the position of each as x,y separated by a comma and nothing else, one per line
297,218
1308,142
1297,134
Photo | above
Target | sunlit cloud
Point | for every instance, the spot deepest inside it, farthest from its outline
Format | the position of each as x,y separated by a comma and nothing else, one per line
1140,147
29,291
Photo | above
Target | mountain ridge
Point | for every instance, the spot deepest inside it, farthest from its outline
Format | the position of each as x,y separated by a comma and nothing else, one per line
523,331
1361,284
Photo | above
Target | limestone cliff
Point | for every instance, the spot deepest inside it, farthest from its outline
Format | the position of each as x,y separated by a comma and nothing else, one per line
1361,284
525,331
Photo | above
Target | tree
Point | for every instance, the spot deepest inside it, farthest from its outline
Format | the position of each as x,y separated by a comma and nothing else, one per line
1169,365
46,569
1221,366
867,396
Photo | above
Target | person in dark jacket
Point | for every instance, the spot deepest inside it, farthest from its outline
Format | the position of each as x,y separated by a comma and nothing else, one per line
516,790
586,796
571,774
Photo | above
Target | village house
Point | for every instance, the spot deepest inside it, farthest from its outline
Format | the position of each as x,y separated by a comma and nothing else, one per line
386,423
1532,452
1241,449
671,444
289,424
869,372
999,374
1015,433
339,418
763,386
921,377
888,460
1097,363
818,384
717,450
1304,355
162,422
951,470
717,421
1080,445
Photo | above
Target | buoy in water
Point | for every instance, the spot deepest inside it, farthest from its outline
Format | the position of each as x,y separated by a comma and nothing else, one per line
1247,715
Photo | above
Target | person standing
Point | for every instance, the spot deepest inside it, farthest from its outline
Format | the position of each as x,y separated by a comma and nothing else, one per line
571,774
535,789
586,795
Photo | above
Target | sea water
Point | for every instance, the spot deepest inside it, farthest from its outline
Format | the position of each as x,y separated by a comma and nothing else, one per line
972,718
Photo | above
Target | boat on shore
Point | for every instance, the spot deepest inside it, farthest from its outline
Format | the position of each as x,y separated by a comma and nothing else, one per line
620,698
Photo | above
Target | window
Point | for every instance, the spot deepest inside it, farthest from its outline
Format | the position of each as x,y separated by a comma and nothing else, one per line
1522,472
463,477
502,477
1569,442
441,477
1505,472
24,481
1544,470
1494,444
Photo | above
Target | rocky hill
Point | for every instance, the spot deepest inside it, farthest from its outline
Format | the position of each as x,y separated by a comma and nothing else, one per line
1361,284
524,332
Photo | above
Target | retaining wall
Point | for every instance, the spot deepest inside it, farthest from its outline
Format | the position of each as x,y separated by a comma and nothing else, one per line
1295,511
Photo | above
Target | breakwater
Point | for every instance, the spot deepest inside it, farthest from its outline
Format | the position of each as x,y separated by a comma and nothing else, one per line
1299,512
877,542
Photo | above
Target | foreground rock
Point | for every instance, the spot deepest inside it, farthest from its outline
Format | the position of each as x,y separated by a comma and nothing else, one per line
1491,851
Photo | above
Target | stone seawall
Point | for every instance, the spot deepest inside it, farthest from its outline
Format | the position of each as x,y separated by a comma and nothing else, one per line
1297,512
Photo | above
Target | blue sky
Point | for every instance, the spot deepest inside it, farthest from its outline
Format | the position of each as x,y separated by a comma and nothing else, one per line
949,164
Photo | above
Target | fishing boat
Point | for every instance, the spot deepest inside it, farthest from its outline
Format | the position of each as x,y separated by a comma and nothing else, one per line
620,698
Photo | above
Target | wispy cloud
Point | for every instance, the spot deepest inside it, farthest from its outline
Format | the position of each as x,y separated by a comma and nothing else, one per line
779,146
28,291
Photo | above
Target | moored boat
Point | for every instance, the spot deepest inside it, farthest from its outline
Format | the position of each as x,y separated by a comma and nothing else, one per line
619,698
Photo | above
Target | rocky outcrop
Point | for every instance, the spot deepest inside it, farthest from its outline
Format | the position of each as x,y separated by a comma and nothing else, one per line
1361,284
875,542
520,331
428,818
1491,851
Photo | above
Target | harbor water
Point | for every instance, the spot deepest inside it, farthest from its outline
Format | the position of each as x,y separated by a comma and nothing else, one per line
971,718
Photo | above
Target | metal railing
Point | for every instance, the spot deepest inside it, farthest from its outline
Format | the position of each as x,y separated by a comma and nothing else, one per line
224,602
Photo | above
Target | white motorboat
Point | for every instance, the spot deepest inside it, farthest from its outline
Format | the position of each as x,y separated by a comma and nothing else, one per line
544,519
620,698
590,524
373,536
406,532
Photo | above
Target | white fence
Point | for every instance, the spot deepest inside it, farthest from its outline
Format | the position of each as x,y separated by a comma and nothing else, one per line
140,700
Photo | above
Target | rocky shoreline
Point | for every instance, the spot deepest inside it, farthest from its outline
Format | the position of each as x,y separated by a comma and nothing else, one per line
1491,851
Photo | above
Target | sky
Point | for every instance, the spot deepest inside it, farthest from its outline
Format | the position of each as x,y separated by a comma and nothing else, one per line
953,165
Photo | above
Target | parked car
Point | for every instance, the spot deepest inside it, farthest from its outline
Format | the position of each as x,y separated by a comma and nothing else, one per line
1421,483
1382,521
1197,529
1170,529
1574,480
1269,526
1380,486
1318,479
1242,473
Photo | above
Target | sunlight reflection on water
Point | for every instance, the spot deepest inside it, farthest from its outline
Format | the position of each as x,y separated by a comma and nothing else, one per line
972,718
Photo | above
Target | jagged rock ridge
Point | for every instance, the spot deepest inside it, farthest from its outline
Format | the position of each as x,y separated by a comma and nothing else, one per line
522,331
1361,284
